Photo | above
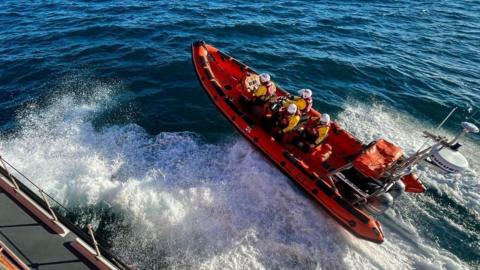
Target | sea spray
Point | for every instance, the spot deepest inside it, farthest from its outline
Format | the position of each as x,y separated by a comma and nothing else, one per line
180,202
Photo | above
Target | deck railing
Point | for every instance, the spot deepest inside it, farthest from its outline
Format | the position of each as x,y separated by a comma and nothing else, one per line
45,201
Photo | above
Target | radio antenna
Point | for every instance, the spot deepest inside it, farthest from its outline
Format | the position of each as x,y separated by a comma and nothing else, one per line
438,127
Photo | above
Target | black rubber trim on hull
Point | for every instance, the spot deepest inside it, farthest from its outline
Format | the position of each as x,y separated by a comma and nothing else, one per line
320,184
204,61
198,43
233,107
224,55
216,84
209,73
328,191
248,120
240,64
344,224
290,157
218,89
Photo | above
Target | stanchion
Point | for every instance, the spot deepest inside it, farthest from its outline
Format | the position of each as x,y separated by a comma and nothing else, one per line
12,179
52,213
95,244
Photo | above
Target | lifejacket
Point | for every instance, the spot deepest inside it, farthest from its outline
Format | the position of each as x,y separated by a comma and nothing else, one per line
316,133
265,92
322,134
303,104
288,122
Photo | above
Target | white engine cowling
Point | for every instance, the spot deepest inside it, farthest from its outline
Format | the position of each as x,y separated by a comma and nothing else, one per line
379,204
397,189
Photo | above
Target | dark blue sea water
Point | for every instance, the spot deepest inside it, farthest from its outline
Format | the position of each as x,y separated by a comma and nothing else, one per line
99,104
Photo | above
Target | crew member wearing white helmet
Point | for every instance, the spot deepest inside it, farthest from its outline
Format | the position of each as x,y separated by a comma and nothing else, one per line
314,134
289,118
304,101
266,90
318,131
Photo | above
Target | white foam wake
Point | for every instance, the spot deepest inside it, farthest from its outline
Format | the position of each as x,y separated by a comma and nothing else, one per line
203,206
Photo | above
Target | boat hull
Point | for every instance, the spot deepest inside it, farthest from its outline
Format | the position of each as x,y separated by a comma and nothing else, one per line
221,77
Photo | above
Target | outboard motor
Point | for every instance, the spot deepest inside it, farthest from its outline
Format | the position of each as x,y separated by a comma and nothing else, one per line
379,204
397,189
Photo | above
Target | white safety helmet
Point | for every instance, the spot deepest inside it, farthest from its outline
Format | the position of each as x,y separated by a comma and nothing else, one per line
292,109
325,119
264,78
305,93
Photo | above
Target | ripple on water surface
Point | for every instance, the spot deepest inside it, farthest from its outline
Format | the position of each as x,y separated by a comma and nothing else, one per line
100,104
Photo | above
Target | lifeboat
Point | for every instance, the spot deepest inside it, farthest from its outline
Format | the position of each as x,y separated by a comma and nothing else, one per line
355,184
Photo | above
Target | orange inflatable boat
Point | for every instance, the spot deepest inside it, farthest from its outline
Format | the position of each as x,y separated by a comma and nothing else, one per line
350,181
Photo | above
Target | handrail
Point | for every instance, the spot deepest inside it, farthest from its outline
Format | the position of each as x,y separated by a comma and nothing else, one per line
44,201
13,179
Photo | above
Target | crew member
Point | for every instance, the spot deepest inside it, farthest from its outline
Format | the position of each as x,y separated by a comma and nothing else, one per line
304,101
289,118
318,132
314,133
285,122
266,90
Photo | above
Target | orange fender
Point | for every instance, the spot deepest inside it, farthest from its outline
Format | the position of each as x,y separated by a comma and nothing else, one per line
413,184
